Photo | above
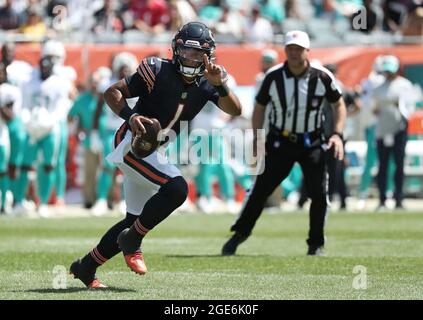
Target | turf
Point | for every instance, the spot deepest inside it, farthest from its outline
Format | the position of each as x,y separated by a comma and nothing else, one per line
182,255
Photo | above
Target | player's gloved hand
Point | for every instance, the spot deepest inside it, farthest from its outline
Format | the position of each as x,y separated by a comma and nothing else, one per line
135,122
96,145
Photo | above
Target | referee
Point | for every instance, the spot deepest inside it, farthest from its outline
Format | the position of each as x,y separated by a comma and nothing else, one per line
294,91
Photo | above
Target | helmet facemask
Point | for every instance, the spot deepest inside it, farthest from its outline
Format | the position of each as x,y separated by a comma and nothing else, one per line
191,61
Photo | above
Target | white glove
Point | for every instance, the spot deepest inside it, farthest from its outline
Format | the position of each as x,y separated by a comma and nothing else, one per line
96,145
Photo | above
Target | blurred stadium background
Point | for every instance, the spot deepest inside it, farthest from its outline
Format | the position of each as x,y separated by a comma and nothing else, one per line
93,32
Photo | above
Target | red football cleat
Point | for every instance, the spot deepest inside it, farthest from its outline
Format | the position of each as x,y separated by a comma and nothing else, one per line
135,262
132,253
96,284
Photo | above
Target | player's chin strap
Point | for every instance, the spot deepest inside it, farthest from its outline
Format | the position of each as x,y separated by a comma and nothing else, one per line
190,79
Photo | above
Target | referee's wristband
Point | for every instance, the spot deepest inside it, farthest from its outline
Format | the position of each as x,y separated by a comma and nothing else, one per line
126,113
339,134
222,90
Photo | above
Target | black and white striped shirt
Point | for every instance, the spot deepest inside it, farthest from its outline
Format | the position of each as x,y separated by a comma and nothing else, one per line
296,101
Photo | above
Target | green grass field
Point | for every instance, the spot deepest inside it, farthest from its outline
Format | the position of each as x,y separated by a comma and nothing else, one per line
184,262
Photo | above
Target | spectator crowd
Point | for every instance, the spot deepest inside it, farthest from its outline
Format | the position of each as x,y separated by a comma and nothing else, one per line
253,21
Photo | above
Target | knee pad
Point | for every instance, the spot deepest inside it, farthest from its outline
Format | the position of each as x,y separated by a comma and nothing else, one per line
176,189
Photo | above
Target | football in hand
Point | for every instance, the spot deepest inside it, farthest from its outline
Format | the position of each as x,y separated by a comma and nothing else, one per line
144,144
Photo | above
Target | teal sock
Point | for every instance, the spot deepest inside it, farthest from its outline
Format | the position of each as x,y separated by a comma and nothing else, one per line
226,181
21,185
60,183
60,170
3,190
45,185
13,185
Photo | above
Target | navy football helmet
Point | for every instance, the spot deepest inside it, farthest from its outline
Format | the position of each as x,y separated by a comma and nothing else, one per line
188,46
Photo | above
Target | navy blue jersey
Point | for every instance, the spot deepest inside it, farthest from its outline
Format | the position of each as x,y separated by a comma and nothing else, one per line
164,95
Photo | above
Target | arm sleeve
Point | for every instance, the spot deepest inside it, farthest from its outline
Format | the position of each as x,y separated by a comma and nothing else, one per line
61,103
214,96
142,82
263,96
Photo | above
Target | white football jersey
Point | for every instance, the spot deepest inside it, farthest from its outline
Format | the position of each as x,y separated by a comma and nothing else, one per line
67,73
19,72
50,94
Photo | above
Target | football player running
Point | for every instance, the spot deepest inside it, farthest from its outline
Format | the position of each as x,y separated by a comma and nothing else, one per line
170,91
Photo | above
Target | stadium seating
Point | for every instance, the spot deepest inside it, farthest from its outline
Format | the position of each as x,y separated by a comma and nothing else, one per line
108,37
135,37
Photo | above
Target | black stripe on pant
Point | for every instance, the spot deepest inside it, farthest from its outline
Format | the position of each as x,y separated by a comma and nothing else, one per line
278,164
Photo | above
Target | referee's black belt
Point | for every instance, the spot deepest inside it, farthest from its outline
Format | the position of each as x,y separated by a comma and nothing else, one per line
300,138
